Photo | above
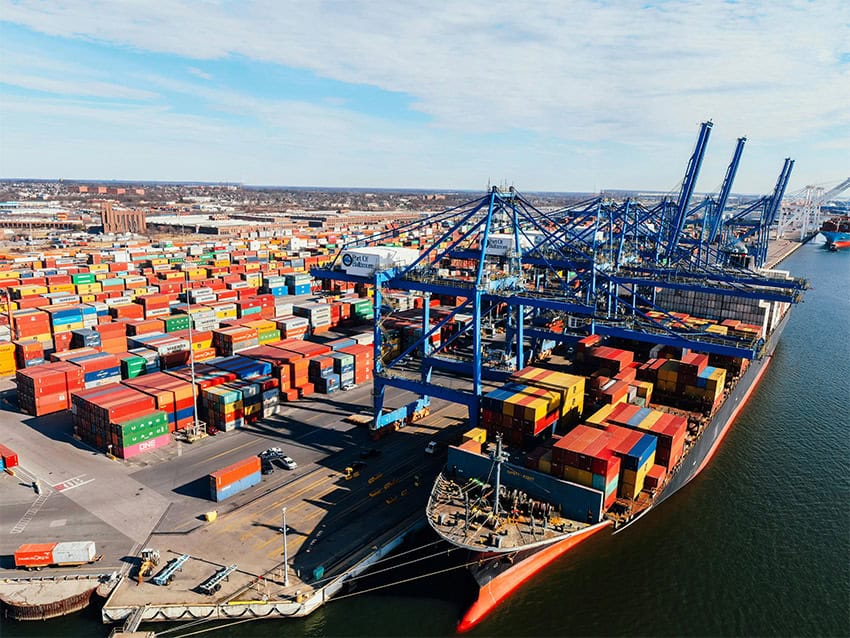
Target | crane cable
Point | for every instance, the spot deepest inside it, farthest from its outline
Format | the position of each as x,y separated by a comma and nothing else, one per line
412,578
344,596
350,579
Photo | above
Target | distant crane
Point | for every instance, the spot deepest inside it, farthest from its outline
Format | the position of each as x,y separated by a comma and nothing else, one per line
804,215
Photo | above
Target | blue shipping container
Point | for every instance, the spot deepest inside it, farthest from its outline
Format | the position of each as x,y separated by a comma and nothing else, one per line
226,491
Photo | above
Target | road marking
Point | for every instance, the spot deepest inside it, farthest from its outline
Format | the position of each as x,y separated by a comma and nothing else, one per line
31,512
71,483
59,522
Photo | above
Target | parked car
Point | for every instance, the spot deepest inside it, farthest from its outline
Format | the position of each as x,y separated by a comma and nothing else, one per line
288,463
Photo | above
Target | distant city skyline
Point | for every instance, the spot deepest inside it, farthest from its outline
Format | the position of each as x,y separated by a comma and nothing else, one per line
548,96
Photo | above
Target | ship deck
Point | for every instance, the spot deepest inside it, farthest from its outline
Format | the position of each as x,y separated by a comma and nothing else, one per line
481,530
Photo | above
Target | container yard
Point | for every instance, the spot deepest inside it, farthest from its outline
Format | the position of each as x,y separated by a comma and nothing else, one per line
257,414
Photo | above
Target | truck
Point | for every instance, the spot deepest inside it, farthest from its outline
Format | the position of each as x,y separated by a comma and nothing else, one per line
64,554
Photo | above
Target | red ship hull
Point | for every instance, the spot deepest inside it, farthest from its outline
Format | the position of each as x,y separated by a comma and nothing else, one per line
500,587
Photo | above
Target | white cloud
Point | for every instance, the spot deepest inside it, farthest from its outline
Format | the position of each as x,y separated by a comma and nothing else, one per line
569,76
73,87
586,70
198,73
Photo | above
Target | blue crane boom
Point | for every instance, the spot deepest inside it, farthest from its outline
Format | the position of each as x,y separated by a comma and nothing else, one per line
510,280
688,185
722,199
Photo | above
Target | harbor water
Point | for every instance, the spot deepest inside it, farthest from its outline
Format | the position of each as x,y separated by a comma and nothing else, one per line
757,545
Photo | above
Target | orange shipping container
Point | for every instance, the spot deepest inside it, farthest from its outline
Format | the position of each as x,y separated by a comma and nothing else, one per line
34,555
236,472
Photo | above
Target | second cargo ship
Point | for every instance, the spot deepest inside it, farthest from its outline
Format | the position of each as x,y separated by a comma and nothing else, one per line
658,418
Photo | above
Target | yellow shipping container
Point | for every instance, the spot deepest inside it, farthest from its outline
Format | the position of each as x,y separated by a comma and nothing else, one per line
9,274
77,325
67,288
89,289
644,389
27,291
533,410
98,267
159,261
650,420
221,263
197,273
225,314
582,477
629,490
544,464
598,417
229,408
475,434
260,324
636,478
718,330
89,298
202,344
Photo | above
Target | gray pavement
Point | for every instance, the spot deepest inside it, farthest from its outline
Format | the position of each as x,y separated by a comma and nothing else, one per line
160,498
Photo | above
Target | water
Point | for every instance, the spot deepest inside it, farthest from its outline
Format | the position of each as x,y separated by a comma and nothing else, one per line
757,545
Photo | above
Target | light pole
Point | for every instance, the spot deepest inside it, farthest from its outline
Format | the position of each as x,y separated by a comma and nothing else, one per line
195,424
285,552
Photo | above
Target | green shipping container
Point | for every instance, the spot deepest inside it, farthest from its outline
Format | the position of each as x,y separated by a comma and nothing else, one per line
133,438
142,424
83,278
132,363
174,323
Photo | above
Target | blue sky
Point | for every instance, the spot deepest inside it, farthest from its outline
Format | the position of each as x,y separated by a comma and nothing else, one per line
561,95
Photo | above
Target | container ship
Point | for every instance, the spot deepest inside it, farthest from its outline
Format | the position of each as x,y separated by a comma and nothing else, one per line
837,232
656,416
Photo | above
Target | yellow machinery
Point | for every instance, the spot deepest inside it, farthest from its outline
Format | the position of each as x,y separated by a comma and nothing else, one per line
150,559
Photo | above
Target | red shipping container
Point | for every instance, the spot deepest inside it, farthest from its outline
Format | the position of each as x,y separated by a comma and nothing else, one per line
34,555
10,458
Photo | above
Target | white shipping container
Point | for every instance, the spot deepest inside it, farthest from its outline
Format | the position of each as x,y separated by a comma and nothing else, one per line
74,552
500,244
365,261
118,301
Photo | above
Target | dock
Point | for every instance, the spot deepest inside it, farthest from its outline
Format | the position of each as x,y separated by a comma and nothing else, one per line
339,522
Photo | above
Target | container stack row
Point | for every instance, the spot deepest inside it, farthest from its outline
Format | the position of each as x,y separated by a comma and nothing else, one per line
119,419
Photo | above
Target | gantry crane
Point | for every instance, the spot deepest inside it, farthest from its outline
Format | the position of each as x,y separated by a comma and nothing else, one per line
534,279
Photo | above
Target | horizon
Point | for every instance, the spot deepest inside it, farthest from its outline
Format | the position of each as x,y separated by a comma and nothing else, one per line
560,99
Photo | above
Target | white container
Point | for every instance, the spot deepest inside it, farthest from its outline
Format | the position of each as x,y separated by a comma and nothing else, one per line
74,552
365,261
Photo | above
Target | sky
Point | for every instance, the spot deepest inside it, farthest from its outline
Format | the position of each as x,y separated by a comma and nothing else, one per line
563,95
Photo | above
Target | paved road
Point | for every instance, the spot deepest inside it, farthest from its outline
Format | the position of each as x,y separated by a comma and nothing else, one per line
118,504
